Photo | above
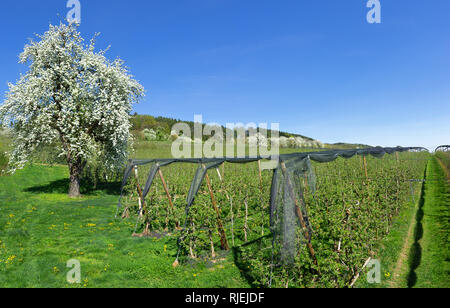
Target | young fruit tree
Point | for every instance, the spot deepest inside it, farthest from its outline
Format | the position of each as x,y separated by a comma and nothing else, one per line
71,96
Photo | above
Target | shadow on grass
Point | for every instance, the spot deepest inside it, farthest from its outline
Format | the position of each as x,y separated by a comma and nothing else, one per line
415,255
87,188
242,262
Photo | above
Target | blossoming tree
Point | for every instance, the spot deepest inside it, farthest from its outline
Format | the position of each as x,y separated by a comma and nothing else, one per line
71,96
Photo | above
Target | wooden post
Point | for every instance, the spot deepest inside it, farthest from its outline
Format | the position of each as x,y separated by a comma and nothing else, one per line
141,206
222,179
232,221
396,155
168,197
126,211
261,197
357,275
365,167
223,170
299,215
213,253
139,190
260,175
223,237
218,173
191,243
246,220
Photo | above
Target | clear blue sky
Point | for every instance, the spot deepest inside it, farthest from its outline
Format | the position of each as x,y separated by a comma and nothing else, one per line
314,66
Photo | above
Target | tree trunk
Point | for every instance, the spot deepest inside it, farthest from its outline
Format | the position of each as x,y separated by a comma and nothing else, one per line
76,166
74,187
75,169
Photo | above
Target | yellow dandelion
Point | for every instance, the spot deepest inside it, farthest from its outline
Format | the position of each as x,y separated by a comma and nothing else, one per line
10,259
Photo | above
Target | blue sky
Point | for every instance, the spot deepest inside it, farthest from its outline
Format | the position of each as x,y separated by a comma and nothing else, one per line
314,66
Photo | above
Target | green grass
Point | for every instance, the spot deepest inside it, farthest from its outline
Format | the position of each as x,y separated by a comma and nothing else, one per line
430,253
41,229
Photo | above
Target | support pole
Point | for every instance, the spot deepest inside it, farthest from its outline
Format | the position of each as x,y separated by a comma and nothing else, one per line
126,211
218,173
261,197
232,221
223,170
223,237
141,206
246,220
300,215
260,176
213,253
139,191
357,275
168,197
365,167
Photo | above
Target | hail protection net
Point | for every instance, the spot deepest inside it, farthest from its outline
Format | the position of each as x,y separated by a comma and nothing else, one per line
292,178
288,210
198,180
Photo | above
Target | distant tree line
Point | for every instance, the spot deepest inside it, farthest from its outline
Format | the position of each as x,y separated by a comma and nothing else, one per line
163,125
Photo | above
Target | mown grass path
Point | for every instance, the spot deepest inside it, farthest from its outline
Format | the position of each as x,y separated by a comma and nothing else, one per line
41,229
416,252
394,249
402,267
429,256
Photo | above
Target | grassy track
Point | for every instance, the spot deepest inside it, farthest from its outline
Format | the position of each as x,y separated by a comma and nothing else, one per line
416,252
394,249
41,229
429,257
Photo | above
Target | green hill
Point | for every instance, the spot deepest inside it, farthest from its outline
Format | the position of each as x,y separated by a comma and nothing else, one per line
142,122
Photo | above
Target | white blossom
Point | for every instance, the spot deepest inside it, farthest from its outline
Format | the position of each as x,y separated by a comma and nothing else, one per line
258,139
